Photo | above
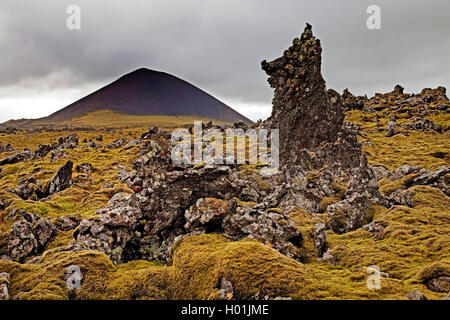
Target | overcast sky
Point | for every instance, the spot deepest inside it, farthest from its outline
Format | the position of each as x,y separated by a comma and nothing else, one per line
217,45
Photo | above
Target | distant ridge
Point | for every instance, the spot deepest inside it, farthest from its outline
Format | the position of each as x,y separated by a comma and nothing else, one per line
149,92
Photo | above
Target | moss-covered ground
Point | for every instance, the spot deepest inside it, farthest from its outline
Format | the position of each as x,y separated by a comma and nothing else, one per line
415,242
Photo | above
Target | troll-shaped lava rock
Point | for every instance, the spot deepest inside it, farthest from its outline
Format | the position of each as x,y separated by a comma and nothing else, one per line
313,134
304,112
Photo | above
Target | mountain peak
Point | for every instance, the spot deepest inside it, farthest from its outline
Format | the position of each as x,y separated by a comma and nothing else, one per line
150,92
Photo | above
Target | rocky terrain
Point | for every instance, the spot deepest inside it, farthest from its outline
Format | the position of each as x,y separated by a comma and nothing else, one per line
363,182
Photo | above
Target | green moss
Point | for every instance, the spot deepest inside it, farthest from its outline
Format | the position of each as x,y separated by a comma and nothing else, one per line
414,147
339,187
139,265
325,202
440,268
62,239
426,196
306,225
313,176
412,240
245,203
276,210
388,186
200,262
263,186
47,279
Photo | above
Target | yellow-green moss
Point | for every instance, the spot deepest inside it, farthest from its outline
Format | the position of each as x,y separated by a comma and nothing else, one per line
306,225
313,176
440,268
245,203
325,202
412,240
200,262
339,187
62,239
426,196
47,279
388,186
263,186
414,147
276,210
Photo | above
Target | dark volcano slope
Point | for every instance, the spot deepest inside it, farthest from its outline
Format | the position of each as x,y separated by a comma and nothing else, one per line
148,92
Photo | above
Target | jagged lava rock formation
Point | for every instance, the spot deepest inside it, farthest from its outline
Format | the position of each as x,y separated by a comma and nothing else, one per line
304,112
313,134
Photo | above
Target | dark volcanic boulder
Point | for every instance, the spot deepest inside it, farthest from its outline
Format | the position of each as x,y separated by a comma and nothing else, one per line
42,150
4,282
62,179
352,102
18,157
29,236
116,144
84,167
6,148
26,188
69,142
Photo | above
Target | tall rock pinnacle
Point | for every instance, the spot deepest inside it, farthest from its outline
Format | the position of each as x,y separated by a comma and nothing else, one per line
313,134
304,112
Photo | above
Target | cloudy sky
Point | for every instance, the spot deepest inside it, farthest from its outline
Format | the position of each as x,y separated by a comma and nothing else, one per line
216,45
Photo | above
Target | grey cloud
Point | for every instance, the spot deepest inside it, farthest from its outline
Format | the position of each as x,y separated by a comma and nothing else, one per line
218,45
